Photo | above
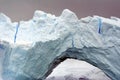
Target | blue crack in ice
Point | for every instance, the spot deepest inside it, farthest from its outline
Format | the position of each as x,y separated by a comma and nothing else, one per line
99,25
17,27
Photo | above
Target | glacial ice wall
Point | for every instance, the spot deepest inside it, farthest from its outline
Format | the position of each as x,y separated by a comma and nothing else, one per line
29,50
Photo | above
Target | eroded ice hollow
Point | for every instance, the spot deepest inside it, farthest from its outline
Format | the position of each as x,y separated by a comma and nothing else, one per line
72,69
29,50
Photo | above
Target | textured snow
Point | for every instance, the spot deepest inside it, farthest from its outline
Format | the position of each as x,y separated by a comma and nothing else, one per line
46,39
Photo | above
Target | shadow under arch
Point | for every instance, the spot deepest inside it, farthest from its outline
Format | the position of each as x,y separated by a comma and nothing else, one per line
80,54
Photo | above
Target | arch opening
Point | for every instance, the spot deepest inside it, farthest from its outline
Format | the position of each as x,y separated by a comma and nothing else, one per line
76,70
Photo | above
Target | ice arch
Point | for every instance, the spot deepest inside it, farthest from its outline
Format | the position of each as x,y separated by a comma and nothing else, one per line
45,40
79,54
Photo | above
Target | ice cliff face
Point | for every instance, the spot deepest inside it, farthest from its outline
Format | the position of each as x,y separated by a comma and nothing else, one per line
29,50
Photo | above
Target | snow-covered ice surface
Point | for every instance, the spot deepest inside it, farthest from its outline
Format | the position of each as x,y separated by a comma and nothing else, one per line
29,50
72,69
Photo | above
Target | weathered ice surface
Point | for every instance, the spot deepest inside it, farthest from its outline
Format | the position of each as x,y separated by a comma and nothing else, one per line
29,50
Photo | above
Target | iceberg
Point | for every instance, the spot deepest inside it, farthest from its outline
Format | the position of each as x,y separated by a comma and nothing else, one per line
30,50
